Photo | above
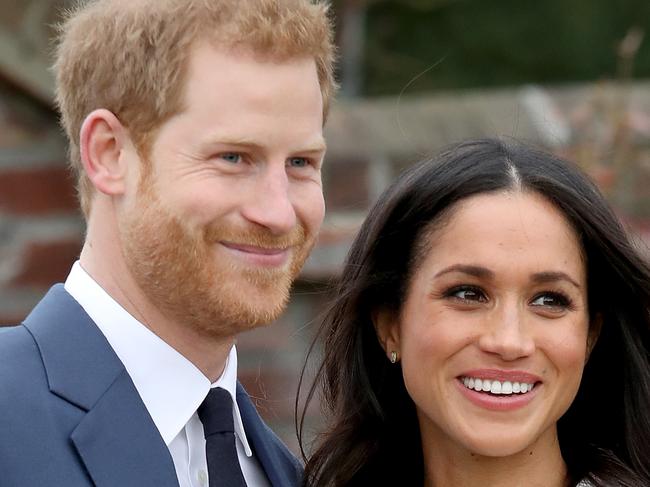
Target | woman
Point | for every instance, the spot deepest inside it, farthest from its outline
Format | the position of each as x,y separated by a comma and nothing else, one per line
491,328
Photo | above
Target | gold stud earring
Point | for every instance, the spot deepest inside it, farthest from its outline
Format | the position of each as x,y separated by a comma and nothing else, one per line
393,357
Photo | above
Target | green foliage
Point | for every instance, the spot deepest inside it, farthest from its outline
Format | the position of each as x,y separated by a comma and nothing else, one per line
487,43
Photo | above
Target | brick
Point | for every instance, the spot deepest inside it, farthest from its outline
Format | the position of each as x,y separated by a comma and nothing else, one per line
45,263
37,191
604,177
346,184
10,320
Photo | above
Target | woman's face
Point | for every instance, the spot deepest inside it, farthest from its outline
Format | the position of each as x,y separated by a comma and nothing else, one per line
493,333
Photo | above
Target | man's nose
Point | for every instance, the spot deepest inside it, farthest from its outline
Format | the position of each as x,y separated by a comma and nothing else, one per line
507,334
269,202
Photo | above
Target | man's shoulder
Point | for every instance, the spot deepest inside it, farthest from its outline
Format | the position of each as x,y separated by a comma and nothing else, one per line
21,366
20,353
17,346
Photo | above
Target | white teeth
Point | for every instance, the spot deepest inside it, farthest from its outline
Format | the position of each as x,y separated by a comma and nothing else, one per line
497,387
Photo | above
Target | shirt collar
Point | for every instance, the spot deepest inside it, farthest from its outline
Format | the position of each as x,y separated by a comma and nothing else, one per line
170,386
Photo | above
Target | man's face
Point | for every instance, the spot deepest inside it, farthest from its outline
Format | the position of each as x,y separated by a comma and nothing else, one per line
219,227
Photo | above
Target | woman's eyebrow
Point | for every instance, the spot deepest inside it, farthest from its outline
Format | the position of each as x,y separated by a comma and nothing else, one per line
553,276
472,270
484,272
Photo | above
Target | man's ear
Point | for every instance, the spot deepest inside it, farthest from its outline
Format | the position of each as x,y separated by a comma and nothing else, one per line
594,332
102,142
386,324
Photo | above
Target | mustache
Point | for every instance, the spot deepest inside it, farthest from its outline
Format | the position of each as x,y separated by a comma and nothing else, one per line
254,236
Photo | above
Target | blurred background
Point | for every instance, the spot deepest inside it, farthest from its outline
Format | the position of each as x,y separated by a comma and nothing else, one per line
416,75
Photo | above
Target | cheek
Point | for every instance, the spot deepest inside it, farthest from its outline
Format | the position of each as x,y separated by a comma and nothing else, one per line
573,343
432,332
309,205
427,348
202,202
567,353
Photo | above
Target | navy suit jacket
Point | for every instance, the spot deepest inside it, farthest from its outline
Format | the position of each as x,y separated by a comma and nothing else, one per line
70,415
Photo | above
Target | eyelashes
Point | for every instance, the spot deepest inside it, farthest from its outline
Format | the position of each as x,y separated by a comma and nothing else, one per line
466,293
554,299
475,295
295,162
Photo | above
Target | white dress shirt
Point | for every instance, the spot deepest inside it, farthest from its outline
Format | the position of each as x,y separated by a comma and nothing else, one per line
170,386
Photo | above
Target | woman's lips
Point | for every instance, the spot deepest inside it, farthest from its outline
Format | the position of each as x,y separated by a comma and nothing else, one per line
499,390
502,375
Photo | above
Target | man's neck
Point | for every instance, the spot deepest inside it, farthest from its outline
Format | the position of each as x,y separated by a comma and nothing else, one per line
108,269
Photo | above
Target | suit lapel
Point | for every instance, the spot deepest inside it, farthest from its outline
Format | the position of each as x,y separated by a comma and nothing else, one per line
280,466
119,443
116,439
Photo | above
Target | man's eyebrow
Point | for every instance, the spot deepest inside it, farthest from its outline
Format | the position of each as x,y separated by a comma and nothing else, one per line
472,270
553,276
318,146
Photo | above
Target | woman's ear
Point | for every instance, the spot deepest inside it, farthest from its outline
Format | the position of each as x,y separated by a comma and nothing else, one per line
386,324
594,332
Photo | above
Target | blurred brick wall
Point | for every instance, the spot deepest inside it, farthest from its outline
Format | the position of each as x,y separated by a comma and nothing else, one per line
370,142
40,230
606,129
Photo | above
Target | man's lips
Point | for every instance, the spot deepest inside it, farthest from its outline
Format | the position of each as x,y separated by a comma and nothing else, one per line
252,249
264,256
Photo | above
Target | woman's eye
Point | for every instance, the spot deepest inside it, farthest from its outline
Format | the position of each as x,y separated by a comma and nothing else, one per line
470,294
551,300
231,157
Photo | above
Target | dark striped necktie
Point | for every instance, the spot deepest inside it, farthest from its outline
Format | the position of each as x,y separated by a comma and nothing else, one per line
216,415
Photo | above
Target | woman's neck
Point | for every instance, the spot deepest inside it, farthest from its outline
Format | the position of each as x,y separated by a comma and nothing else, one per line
541,465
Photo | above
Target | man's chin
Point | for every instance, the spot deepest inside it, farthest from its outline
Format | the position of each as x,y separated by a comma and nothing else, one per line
243,316
265,303
243,304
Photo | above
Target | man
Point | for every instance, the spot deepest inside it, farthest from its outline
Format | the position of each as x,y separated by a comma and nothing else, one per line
195,131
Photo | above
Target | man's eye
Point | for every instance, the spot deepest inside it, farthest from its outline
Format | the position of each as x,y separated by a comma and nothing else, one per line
467,293
298,162
231,157
552,300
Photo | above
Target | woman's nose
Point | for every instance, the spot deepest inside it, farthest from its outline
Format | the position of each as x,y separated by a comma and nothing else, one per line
507,334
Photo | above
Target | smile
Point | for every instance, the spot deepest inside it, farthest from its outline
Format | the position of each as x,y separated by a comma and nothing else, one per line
250,249
259,256
496,387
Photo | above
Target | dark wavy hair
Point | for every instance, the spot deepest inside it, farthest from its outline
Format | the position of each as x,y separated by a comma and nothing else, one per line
372,437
